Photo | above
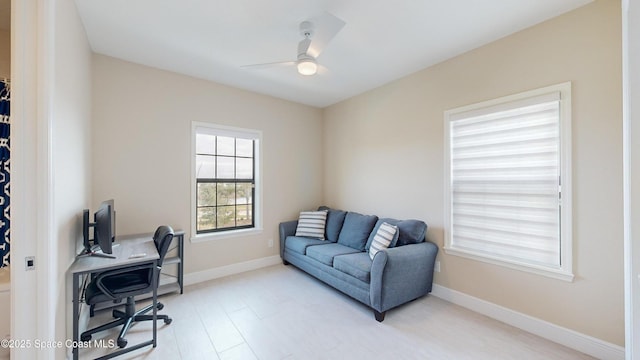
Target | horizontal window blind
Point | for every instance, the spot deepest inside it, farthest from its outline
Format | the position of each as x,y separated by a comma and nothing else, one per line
505,180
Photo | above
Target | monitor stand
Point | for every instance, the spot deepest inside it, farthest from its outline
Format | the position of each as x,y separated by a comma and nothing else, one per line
91,252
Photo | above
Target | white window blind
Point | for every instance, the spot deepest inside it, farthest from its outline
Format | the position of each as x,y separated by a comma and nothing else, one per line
504,181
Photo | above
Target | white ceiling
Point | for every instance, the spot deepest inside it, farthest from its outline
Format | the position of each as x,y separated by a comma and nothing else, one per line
382,41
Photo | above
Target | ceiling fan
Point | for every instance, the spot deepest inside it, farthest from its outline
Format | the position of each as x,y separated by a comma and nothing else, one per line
317,34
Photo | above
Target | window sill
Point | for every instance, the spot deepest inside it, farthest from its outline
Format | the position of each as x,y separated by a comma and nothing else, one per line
559,274
225,235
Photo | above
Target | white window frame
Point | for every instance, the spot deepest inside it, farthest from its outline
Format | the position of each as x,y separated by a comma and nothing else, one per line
565,270
223,130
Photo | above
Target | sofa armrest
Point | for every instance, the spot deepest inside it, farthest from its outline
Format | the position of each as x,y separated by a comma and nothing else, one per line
401,274
287,228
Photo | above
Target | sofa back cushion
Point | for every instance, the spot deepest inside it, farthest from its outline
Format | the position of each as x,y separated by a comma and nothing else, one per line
335,219
409,232
356,229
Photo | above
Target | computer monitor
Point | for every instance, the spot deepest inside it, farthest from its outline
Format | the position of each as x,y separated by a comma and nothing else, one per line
103,231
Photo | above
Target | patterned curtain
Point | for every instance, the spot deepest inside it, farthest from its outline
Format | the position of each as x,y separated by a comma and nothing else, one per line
5,243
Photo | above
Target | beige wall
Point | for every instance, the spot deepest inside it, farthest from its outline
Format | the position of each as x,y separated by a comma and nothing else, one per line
142,147
70,148
384,155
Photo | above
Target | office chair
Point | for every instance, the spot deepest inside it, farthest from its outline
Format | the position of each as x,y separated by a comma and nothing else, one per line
127,282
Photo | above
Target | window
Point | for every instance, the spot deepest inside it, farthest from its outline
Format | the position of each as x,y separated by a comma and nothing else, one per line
508,187
225,174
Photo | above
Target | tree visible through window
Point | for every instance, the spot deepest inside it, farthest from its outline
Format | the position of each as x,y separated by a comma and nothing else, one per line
225,182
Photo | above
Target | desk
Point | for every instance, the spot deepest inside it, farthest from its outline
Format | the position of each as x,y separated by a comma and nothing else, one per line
87,265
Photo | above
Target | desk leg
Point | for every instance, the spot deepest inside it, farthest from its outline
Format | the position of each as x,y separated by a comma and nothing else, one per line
76,313
155,310
181,264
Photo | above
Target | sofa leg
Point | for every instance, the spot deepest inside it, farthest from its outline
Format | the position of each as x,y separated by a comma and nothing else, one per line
379,315
285,262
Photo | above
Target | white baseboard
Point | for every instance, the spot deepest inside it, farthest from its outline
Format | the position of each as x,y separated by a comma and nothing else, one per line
222,271
584,343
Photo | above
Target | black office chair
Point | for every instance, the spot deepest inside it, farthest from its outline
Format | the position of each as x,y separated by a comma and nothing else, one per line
115,285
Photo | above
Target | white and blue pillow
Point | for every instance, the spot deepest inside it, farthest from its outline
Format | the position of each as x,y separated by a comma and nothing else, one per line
382,239
311,224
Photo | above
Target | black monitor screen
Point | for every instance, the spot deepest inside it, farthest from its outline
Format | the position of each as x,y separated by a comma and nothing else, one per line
103,233
113,217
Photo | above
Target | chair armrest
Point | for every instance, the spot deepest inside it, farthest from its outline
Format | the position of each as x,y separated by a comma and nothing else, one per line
100,278
287,228
401,274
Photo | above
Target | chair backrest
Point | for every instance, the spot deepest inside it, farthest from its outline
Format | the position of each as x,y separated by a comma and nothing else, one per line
162,238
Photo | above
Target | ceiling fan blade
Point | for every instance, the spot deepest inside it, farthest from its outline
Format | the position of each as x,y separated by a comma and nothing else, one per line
327,27
303,46
269,65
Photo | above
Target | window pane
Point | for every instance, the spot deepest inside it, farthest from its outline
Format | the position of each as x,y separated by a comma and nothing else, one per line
225,167
244,147
205,144
206,219
226,217
226,194
206,194
244,194
205,167
243,215
226,145
244,168
225,174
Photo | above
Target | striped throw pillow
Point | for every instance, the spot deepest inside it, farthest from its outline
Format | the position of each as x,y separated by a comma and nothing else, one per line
311,224
382,239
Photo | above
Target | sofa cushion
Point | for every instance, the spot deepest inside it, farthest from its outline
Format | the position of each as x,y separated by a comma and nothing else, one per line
382,238
311,224
327,251
409,231
300,244
357,265
356,229
380,221
335,219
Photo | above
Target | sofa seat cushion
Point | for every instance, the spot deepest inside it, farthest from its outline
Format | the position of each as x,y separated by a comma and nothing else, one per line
299,244
327,252
357,265
356,229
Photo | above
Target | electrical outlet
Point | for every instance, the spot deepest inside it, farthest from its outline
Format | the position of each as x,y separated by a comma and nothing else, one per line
270,243
436,266
30,262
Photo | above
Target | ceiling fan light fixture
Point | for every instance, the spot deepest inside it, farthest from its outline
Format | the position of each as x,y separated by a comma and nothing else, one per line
307,67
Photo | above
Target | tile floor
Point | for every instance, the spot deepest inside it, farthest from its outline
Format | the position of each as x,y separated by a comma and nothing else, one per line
280,312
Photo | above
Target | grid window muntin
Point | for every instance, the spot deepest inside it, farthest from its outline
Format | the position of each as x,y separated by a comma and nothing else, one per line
225,183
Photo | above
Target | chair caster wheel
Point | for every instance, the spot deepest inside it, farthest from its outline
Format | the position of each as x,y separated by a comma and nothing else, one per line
85,337
122,343
168,321
160,306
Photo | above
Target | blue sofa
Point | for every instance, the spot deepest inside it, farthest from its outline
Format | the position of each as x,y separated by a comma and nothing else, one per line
397,275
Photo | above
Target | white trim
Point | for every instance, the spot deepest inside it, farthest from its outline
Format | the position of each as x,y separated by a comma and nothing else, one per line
631,173
565,271
46,268
222,271
584,343
224,235
237,132
540,270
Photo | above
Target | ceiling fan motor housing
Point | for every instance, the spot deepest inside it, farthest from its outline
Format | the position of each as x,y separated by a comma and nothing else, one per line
306,29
